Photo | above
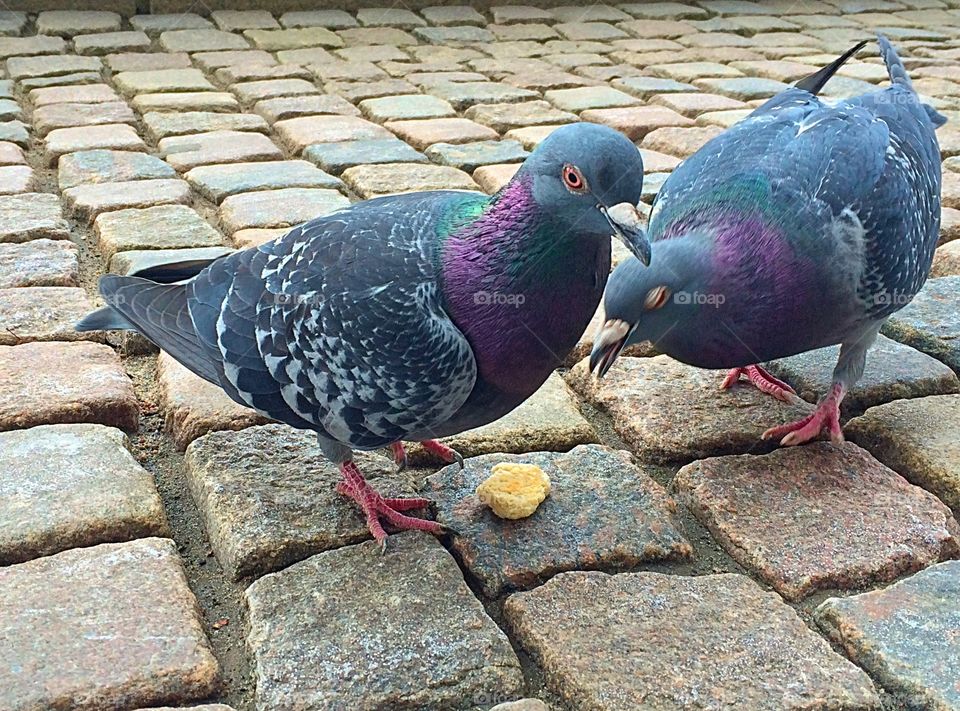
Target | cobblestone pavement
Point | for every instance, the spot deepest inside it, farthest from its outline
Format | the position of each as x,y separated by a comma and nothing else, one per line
160,545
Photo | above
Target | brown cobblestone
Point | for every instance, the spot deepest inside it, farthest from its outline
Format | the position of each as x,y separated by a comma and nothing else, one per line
636,121
186,152
298,133
422,133
372,180
87,201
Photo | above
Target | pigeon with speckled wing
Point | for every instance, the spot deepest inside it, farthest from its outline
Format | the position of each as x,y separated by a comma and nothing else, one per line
407,317
805,225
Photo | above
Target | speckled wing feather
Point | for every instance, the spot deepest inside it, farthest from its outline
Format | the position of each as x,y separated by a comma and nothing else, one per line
339,325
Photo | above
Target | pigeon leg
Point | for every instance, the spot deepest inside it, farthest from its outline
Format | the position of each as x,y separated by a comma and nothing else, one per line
443,451
399,455
375,506
826,418
764,381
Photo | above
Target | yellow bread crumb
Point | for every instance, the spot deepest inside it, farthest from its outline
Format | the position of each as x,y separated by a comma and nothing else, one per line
514,490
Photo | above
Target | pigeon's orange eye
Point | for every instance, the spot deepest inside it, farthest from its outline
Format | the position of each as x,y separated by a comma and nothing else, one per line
573,178
656,298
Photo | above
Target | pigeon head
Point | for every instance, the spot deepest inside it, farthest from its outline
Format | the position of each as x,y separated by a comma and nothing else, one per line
590,177
656,303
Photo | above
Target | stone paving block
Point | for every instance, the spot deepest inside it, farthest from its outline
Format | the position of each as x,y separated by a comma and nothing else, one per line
389,17
931,323
215,182
454,36
598,31
238,20
655,162
26,67
12,23
31,216
360,36
946,260
16,179
369,89
818,517
105,166
645,87
503,117
267,496
105,43
39,262
342,70
422,133
54,116
136,260
112,626
602,513
434,647
743,89
67,23
470,156
589,97
689,71
66,486
949,224
14,132
298,133
950,190
89,94
201,41
52,383
161,125
370,181
669,412
904,635
693,104
147,61
385,54
161,80
304,56
443,15
337,157
526,32
916,438
44,313
273,40
253,91
11,154
410,106
720,641
511,14
86,202
114,136
331,19
274,110
219,101
187,152
462,95
530,136
723,119
28,85
278,208
156,23
159,227
493,177
894,371
27,46
210,61
256,72
244,239
636,121
778,70
682,142
192,407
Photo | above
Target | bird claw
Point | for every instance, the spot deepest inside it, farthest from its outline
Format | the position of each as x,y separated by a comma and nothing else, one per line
764,382
399,455
447,454
826,417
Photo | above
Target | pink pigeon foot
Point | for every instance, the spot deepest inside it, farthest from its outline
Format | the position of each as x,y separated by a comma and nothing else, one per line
376,506
443,451
764,381
826,418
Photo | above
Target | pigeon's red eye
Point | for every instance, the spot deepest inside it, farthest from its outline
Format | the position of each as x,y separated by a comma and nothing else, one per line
573,178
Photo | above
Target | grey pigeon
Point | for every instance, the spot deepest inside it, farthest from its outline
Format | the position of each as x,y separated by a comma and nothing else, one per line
803,226
407,317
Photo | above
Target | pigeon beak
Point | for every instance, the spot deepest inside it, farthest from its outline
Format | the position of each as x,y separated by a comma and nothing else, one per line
607,345
625,220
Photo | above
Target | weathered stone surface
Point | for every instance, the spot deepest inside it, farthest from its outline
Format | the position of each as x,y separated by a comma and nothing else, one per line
431,646
372,180
692,105
949,225
680,142
602,513
161,125
341,70
918,439
216,182
220,101
145,61
187,152
66,486
156,23
49,118
493,177
278,208
16,179
14,132
273,40
31,216
61,80
160,80
723,119
201,41
721,641
134,260
465,94
931,322
668,412
894,371
67,23
331,19
469,156
254,237
744,89
234,20
252,91
358,91
589,97
114,136
274,110
48,383
105,166
422,133
25,46
788,517
503,117
43,313
107,42
210,61
646,87
410,106
112,626
192,407
298,133
636,121
337,157
10,110
946,260
158,227
904,635
11,154
267,496
88,201
39,262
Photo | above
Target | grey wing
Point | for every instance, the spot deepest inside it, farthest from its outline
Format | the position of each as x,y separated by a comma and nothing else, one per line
339,326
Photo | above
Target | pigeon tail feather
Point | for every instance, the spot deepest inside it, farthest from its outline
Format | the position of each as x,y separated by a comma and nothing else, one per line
899,77
815,82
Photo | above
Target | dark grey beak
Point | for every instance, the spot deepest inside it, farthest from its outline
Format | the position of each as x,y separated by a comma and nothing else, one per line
607,344
625,221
